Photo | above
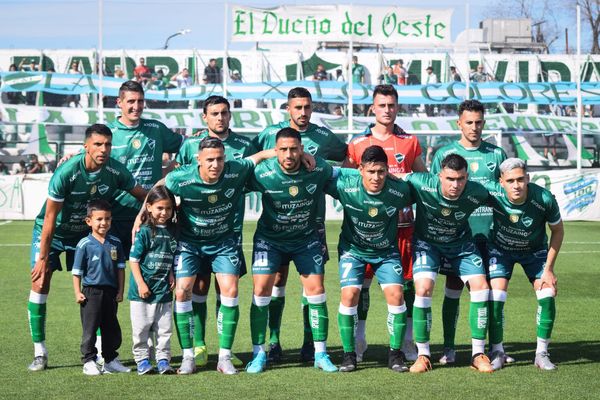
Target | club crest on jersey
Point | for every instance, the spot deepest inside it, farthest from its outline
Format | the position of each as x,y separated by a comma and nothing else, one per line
390,211
237,156
93,190
354,220
446,212
293,190
474,166
459,215
399,157
113,253
151,143
312,149
136,144
491,166
527,221
103,189
372,212
311,188
173,244
318,259
514,218
229,193
212,198
123,159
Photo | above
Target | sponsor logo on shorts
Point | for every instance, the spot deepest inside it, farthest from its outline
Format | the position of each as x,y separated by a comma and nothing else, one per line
372,212
459,215
446,212
318,260
229,193
213,198
527,221
293,190
103,189
474,166
311,188
390,211
491,166
514,218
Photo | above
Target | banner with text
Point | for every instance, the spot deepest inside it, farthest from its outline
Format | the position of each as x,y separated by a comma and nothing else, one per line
361,24
259,118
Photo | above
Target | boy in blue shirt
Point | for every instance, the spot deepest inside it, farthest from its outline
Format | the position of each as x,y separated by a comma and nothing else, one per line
98,280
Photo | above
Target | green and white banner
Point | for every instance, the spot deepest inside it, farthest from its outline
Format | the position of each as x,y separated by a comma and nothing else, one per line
258,118
361,24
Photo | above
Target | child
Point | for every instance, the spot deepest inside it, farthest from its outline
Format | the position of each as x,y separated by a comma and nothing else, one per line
98,278
152,281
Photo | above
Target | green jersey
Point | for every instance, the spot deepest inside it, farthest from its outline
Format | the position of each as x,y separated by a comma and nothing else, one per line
370,226
236,147
317,141
140,148
484,166
441,221
208,210
155,254
74,187
290,201
522,227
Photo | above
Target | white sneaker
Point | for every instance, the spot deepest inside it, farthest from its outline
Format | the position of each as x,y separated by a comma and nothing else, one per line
115,366
91,368
410,351
225,366
360,346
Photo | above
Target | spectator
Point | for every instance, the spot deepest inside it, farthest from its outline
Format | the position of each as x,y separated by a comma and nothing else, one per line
454,75
182,78
388,77
338,111
34,166
141,70
429,79
212,72
400,72
320,74
13,97
338,75
119,73
20,168
3,169
236,78
53,99
481,76
74,68
358,71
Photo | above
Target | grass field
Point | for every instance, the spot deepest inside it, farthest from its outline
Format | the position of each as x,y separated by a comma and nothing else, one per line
575,347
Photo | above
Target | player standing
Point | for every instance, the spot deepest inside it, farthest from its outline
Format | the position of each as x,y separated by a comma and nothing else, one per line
404,155
483,161
317,141
521,212
61,223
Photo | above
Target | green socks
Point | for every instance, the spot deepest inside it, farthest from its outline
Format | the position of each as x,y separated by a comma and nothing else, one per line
318,317
496,315
347,319
422,319
546,312
227,321
259,314
184,323
478,314
396,325
36,310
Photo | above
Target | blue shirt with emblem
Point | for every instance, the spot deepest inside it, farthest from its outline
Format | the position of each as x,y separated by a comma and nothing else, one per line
97,263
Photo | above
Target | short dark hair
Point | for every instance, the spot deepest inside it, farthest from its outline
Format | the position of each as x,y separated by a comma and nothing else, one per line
210,142
214,100
374,154
288,133
454,162
99,129
97,205
471,105
131,86
299,93
385,90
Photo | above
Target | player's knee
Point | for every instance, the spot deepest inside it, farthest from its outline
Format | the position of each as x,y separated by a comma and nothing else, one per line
183,293
350,296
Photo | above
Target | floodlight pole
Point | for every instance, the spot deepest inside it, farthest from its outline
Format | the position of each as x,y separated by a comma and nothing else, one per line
579,102
100,64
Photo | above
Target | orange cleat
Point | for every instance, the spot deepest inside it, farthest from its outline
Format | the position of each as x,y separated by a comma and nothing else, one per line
482,363
423,364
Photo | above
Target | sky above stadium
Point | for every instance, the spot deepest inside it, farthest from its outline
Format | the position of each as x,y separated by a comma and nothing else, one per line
145,24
